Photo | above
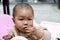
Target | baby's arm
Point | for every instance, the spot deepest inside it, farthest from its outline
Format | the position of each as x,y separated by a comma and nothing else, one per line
42,33
9,35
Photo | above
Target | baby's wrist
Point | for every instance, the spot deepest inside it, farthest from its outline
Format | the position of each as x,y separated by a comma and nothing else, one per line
37,33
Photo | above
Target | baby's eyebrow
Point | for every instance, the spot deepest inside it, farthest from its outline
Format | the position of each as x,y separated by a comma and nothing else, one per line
20,16
24,17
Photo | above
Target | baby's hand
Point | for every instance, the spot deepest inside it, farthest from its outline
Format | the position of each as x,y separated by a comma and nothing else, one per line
33,31
7,37
30,30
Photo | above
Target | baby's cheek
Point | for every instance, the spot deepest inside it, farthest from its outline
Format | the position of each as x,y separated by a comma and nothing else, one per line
19,26
30,24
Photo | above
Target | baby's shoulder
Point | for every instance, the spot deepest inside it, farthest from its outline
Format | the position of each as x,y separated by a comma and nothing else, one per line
11,28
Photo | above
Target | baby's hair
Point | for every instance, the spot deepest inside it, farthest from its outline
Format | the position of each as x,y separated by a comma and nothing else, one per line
26,5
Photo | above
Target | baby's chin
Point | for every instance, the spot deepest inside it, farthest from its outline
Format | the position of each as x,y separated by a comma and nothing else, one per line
28,34
19,38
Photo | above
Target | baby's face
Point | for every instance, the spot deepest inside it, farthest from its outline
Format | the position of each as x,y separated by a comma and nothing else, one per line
23,19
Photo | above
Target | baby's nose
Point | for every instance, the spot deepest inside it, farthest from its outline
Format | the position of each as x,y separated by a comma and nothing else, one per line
25,22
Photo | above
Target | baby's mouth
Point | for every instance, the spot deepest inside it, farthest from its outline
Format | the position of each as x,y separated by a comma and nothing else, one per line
25,27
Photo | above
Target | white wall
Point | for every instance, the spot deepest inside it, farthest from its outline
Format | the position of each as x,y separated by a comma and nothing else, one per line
53,28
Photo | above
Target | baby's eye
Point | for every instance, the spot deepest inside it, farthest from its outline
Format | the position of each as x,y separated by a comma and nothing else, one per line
21,19
29,19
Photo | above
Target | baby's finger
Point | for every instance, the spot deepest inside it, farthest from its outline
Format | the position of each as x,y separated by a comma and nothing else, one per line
7,37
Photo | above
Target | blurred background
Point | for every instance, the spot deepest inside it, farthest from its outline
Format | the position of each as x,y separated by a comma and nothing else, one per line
45,10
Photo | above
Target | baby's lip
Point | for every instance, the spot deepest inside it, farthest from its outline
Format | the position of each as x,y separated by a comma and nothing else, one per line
26,28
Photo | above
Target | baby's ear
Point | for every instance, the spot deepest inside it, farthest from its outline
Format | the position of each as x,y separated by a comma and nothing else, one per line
13,20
